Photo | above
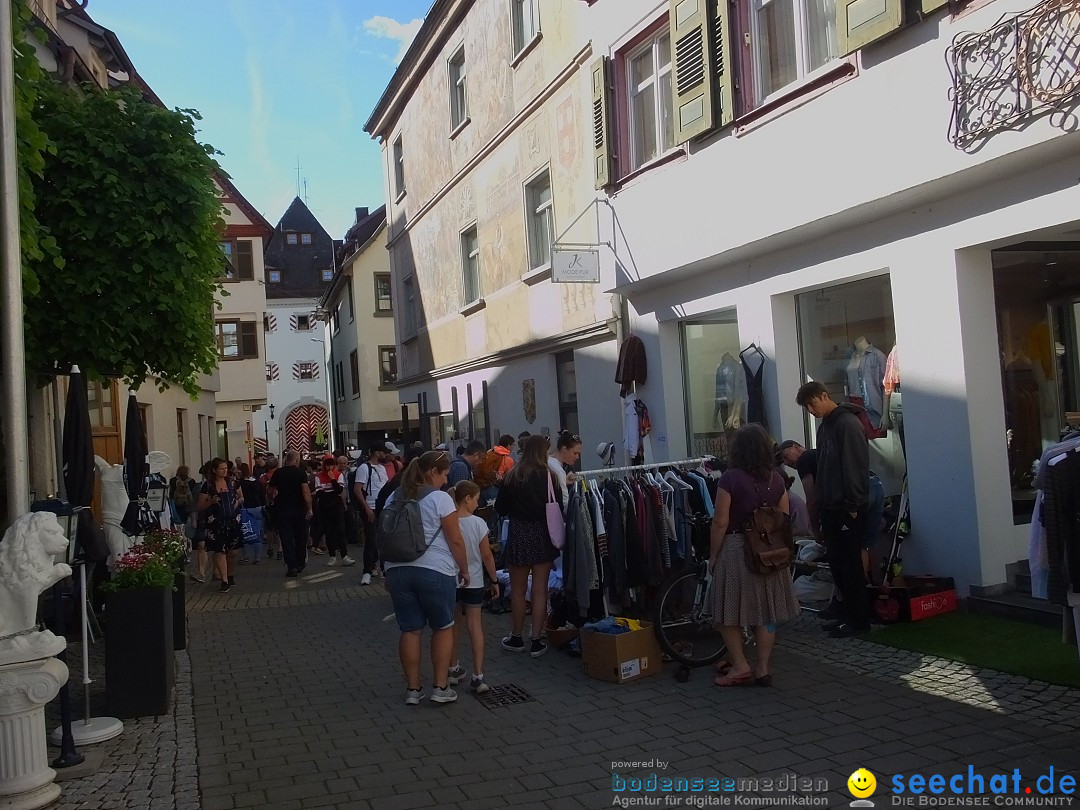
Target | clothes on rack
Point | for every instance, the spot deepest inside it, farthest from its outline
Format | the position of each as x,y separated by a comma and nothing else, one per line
628,531
755,405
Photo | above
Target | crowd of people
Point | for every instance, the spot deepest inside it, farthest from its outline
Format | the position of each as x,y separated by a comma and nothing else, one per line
453,503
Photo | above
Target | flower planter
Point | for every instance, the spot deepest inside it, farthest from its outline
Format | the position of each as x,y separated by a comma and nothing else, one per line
179,612
139,667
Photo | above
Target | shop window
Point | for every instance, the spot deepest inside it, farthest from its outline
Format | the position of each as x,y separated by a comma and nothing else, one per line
1038,318
846,333
716,404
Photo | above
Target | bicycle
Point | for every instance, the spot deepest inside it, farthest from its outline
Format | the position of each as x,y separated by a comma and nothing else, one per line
683,626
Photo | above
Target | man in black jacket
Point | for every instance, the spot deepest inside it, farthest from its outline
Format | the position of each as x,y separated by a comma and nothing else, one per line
842,486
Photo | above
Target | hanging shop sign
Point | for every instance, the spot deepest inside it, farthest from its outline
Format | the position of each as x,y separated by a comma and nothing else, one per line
580,265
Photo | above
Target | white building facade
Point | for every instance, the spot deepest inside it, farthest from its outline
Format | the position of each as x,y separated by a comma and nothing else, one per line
832,186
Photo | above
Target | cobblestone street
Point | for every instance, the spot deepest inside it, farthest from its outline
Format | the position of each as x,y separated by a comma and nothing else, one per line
295,701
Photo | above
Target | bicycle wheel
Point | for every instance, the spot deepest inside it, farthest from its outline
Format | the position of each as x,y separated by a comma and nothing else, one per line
683,628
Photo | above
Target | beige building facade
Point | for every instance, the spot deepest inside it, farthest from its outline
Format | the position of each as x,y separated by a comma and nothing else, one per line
488,162
363,348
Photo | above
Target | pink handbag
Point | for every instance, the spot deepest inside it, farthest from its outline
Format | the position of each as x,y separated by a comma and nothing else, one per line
556,523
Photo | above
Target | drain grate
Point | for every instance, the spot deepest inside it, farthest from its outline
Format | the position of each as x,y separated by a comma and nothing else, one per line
505,694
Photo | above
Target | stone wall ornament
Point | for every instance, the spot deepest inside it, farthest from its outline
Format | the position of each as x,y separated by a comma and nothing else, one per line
26,570
528,400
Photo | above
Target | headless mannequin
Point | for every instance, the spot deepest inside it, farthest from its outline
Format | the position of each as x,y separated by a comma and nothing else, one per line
730,402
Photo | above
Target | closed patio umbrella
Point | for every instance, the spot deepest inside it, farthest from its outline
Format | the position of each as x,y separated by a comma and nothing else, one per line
136,472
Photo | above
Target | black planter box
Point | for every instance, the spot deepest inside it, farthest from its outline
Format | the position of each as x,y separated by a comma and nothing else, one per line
139,667
179,615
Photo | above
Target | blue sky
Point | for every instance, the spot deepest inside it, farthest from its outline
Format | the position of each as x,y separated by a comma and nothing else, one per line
276,81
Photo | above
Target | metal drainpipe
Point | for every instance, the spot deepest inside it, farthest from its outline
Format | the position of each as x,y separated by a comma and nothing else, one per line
13,357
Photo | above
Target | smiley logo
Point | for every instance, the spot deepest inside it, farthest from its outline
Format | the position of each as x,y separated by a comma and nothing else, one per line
862,784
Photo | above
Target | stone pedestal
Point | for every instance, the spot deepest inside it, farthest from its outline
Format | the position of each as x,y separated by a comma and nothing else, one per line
26,780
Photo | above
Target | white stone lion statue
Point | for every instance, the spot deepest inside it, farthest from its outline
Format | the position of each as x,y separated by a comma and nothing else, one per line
26,570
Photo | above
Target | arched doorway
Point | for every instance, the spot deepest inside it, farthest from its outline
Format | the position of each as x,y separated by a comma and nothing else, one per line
307,428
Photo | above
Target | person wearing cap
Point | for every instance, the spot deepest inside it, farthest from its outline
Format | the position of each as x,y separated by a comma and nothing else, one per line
330,504
369,478
391,460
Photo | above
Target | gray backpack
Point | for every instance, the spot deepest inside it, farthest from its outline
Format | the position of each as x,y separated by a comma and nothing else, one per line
401,529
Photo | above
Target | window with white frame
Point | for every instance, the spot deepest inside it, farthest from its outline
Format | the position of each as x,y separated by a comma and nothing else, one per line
791,39
470,266
539,220
648,77
525,19
458,111
399,167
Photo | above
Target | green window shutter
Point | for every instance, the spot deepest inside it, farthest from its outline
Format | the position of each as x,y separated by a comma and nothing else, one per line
245,265
249,339
724,64
603,144
693,77
860,22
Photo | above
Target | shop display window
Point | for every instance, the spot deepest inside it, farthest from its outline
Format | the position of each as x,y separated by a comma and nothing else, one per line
714,408
1037,294
846,333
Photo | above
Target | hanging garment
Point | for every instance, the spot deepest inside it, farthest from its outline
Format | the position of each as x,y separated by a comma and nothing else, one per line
865,374
615,521
632,366
1061,515
755,404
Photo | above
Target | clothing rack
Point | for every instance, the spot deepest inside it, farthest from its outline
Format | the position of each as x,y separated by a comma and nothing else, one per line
684,462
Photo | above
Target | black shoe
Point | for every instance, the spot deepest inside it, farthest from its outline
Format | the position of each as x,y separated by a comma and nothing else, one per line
225,587
232,581
828,613
539,647
848,630
829,626
291,572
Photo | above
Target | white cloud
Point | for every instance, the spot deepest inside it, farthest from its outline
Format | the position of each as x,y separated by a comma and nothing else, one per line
389,28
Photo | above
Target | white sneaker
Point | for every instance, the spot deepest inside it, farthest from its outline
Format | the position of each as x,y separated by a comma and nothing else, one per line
365,579
477,685
446,695
331,562
347,561
456,675
414,696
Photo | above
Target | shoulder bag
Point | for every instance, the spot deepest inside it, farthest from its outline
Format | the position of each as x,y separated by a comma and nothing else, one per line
556,523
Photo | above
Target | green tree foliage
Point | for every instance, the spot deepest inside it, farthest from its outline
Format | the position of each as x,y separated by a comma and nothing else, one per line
36,243
126,190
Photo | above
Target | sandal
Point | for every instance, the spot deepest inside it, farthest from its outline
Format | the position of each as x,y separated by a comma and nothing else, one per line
746,679
722,666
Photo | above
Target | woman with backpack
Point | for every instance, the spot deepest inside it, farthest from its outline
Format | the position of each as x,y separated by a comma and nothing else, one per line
523,498
424,589
740,597
182,488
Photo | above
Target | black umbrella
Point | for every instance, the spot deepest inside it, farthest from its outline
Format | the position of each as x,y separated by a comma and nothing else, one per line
78,444
136,471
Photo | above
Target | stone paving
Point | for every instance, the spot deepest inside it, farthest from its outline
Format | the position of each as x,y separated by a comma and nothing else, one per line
296,702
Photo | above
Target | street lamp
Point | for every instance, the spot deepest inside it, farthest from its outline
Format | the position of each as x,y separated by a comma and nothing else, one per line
266,429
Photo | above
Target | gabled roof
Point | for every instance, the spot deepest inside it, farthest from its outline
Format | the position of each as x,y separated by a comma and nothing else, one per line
242,203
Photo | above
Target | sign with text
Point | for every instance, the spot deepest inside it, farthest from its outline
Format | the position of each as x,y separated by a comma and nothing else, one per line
575,264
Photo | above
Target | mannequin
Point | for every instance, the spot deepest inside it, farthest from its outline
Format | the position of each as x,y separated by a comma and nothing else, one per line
730,402
863,375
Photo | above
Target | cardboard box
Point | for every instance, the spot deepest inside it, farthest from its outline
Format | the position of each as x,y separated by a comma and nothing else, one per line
621,658
912,598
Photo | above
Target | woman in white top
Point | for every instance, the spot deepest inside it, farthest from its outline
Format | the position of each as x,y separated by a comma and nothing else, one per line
424,591
567,454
